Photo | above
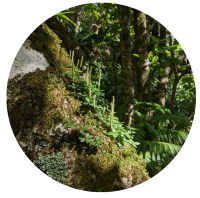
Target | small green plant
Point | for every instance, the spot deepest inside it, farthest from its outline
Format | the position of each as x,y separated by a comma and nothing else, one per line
53,166
68,123
86,137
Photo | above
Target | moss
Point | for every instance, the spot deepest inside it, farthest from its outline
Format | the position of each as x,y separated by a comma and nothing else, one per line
35,108
45,41
37,96
109,170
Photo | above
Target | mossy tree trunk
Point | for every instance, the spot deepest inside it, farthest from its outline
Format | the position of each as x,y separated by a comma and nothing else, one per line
77,11
163,80
127,72
67,41
143,69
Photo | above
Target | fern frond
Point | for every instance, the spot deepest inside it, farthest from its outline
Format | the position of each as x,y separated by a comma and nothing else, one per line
173,136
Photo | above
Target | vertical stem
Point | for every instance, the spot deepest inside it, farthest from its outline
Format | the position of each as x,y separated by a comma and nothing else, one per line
94,102
103,110
81,61
70,115
64,112
90,81
114,68
73,66
99,83
77,62
111,117
89,92
113,104
60,57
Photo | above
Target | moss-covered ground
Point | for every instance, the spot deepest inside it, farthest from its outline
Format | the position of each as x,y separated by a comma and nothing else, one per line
34,110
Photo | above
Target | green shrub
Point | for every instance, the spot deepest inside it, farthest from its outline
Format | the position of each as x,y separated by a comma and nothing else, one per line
53,166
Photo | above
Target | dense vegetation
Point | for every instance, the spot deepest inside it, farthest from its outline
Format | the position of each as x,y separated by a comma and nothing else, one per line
142,65
128,85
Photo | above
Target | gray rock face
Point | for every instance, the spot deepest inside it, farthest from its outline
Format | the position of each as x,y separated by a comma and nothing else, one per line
27,60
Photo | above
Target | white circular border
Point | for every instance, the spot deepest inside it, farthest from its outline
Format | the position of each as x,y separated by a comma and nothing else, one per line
19,177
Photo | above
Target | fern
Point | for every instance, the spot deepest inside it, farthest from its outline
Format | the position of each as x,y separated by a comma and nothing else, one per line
159,144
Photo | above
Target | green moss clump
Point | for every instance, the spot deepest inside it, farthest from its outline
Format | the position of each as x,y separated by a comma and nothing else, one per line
110,168
45,41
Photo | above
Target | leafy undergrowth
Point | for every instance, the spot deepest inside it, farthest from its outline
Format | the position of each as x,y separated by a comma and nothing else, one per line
39,102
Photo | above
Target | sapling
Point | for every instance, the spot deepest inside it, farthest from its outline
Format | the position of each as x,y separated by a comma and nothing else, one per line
70,54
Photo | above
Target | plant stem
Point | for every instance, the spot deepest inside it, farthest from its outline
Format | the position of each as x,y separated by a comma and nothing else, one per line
81,61
87,76
113,103
111,117
60,57
99,79
77,62
64,112
103,110
90,81
70,115
94,102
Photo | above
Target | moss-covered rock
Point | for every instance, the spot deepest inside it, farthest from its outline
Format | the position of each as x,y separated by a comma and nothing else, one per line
35,113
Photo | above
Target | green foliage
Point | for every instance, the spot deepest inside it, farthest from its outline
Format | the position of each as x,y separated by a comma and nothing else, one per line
53,166
86,137
67,123
158,145
159,132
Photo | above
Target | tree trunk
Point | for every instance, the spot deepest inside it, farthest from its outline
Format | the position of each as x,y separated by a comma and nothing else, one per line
162,85
143,69
67,41
127,73
77,11
176,80
115,70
